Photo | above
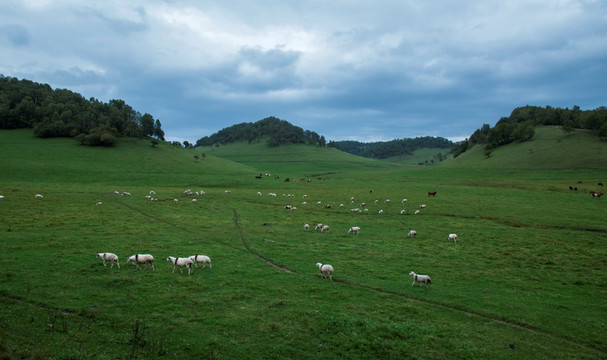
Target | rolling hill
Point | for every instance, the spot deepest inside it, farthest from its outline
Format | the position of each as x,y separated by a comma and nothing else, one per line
511,287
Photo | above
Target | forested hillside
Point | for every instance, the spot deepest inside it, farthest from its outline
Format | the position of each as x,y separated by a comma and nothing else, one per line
385,149
64,113
519,126
278,132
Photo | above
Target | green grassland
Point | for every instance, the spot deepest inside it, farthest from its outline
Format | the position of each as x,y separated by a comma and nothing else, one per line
527,278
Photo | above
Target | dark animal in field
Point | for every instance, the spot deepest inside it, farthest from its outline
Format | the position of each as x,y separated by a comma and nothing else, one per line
575,188
287,179
579,181
595,194
599,184
258,176
570,188
431,193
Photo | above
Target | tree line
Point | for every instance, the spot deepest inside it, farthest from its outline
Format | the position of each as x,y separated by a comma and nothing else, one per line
277,131
64,113
519,126
385,149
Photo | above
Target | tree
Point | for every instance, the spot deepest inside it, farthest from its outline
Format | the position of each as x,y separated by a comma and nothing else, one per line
147,125
154,142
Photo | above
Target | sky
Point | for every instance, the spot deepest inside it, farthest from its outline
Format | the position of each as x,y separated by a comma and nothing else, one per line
348,70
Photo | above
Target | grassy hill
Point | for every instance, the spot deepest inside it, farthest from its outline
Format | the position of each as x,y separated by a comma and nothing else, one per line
550,149
526,278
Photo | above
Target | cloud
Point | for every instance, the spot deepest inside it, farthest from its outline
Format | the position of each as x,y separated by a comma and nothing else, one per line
355,69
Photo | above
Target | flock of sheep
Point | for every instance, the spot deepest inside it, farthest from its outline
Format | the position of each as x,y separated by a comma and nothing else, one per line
147,259
326,270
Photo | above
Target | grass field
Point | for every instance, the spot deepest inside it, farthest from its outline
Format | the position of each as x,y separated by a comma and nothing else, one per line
527,278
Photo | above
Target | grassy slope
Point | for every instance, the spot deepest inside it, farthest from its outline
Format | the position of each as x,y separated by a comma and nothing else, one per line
511,287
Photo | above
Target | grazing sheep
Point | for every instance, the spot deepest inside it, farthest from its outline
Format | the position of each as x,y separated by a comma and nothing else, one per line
1,197
452,237
422,206
318,227
354,229
175,201
404,200
416,212
109,257
258,193
193,200
38,196
142,259
325,229
421,279
326,270
99,203
412,234
341,206
181,262
203,259
381,211
306,227
403,212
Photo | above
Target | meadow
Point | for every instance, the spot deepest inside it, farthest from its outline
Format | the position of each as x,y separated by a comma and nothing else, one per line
527,278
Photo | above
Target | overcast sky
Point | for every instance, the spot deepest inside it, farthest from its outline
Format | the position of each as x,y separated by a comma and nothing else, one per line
360,70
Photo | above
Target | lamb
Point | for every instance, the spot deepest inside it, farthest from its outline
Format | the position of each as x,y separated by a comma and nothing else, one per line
326,270
181,262
325,229
421,279
354,229
142,259
306,227
203,259
412,234
452,237
109,257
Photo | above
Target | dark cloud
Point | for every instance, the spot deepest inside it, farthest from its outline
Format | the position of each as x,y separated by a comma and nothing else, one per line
361,70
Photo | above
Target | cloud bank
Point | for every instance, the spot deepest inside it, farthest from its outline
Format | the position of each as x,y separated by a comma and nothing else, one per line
346,69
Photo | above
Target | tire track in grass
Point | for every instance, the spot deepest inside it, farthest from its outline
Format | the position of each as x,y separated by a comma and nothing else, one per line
450,307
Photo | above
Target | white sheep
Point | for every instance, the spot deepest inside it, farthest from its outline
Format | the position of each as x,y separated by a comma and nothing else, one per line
306,227
202,259
416,212
318,227
326,270
452,237
1,197
258,193
99,203
142,259
421,279
181,262
325,229
412,234
422,206
38,196
381,211
404,200
403,212
109,257
354,229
